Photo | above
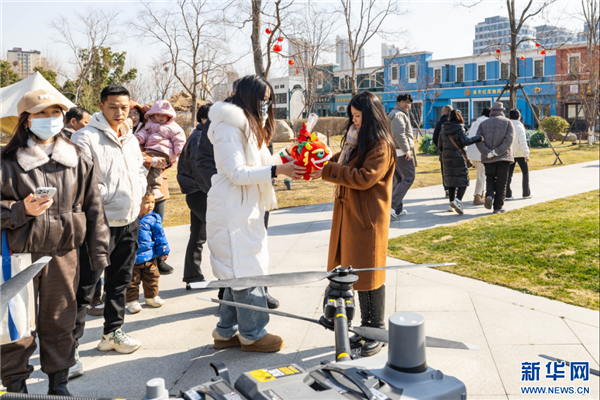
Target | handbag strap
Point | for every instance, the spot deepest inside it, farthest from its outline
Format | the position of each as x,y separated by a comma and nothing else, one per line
460,150
7,274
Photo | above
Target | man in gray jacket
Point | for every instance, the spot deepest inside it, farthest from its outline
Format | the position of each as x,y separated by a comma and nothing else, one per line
496,155
404,175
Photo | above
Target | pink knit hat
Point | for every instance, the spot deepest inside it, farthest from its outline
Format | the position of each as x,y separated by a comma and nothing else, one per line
161,107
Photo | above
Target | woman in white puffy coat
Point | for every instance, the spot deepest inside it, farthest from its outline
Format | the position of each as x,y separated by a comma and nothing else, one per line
521,155
240,194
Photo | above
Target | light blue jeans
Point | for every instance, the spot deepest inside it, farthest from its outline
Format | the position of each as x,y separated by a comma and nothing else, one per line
249,324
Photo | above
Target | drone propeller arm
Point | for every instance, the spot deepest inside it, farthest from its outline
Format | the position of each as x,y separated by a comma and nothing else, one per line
408,266
14,285
382,335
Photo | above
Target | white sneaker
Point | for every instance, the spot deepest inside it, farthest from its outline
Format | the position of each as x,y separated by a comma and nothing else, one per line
403,212
155,302
119,341
450,208
133,307
528,197
77,369
393,214
157,194
510,198
457,205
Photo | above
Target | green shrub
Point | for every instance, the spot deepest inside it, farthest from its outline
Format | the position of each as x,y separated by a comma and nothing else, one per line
538,140
554,125
427,146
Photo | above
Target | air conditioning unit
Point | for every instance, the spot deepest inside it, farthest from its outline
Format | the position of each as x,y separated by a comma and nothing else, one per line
341,108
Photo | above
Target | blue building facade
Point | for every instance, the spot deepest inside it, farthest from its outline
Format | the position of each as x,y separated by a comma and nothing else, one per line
466,83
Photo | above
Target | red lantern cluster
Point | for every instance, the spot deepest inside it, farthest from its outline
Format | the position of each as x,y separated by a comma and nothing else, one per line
268,31
277,48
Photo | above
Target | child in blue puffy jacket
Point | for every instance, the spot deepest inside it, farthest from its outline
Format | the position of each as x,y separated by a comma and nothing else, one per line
152,245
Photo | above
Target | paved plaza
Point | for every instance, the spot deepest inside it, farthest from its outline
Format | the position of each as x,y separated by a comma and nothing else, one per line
510,327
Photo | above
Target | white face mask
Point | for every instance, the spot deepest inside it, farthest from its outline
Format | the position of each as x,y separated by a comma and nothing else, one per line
46,128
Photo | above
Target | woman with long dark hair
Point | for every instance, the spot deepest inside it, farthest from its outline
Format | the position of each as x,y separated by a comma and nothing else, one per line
452,144
40,155
363,173
241,192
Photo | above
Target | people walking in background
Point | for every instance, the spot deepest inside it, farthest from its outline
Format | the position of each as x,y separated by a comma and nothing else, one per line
161,137
521,155
136,113
363,173
152,246
497,134
404,175
195,169
39,155
453,142
436,137
475,157
241,192
76,119
117,158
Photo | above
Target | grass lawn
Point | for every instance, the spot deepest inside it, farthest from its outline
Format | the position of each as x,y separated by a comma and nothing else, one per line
428,174
549,249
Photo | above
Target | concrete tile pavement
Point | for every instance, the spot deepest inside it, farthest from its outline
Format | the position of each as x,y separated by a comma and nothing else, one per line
509,327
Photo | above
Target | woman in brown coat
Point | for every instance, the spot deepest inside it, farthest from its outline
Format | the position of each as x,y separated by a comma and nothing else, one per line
363,173
40,155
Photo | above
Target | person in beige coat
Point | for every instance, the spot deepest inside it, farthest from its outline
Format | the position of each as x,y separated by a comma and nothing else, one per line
475,156
363,173
521,155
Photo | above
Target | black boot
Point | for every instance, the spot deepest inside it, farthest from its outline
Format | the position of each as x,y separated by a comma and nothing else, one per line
377,309
17,385
164,268
272,302
356,341
58,383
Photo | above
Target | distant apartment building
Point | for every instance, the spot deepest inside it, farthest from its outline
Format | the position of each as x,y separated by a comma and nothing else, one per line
494,33
387,51
583,36
23,62
549,36
301,51
342,58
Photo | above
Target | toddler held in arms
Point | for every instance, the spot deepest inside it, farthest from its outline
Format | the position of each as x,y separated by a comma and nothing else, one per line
152,245
162,138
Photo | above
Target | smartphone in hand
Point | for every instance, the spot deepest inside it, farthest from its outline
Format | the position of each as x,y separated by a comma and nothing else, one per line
44,193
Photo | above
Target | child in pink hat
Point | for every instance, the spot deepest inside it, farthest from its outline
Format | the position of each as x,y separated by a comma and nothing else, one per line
162,138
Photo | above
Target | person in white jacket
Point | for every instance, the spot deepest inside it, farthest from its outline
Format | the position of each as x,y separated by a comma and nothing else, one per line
475,156
240,194
521,154
110,143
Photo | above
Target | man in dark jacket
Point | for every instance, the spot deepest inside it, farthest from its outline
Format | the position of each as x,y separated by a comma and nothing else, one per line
436,137
496,155
195,168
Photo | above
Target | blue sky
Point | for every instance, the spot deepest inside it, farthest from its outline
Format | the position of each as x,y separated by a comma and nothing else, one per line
443,27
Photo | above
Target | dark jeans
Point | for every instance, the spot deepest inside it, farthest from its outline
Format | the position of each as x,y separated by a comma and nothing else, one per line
456,192
442,169
117,276
525,170
193,254
496,177
88,288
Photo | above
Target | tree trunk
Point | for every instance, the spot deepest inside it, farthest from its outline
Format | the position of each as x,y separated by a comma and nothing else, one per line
512,103
354,88
259,68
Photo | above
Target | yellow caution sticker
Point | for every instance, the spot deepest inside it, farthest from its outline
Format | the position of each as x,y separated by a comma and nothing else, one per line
266,375
342,355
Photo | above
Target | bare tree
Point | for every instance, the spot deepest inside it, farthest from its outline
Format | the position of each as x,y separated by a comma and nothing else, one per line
192,40
363,23
163,78
98,29
591,17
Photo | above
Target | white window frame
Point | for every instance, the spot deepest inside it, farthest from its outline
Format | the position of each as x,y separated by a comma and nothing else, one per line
397,68
543,67
508,66
463,100
408,78
320,79
456,72
472,107
571,55
421,103
484,72
441,79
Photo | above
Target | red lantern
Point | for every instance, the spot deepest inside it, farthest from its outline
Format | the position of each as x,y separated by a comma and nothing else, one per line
280,39
497,51
291,62
523,58
268,31
537,45
543,52
277,48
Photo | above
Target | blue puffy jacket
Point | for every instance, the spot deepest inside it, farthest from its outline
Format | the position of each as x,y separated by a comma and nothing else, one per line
152,239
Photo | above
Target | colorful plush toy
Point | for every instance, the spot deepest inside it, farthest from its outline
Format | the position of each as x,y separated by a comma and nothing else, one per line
310,152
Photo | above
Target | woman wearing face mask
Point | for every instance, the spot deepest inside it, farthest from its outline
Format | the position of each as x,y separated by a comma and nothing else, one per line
40,155
363,173
241,192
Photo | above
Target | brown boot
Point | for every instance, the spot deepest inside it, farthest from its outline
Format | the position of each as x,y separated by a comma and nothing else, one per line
223,343
478,201
268,344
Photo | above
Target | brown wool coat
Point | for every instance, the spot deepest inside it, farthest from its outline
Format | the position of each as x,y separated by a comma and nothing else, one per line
361,214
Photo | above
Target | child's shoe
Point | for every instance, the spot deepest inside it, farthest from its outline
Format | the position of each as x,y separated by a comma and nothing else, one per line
155,302
134,307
